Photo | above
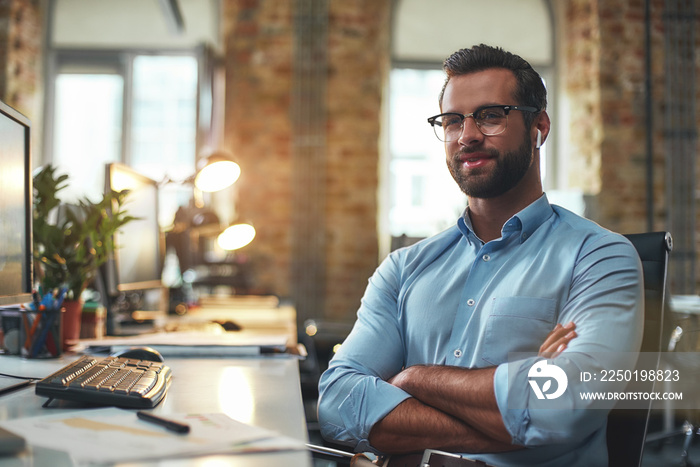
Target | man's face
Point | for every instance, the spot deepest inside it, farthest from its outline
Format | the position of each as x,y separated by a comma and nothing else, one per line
487,166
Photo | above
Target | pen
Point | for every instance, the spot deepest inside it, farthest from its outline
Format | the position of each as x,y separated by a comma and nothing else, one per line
171,425
14,387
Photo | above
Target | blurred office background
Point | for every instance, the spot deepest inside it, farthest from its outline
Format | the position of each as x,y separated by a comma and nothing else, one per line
323,104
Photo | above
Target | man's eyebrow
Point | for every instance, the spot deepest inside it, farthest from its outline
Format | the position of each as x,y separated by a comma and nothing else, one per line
482,106
493,104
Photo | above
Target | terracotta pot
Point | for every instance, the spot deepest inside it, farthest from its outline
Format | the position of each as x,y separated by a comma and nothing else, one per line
71,322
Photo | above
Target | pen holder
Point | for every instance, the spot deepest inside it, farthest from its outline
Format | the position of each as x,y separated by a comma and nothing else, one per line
11,322
40,335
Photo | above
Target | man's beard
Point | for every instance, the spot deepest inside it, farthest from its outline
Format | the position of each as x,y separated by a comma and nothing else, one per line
510,169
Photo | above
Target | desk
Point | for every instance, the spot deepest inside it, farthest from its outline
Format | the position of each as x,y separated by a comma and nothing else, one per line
259,391
263,315
257,316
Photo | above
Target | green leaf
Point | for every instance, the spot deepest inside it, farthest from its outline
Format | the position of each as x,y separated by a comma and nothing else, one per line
68,251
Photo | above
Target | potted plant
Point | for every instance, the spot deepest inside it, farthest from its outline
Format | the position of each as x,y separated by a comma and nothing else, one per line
72,241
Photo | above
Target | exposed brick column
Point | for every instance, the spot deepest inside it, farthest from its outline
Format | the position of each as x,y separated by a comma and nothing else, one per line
604,83
580,77
358,57
258,41
622,201
21,54
604,78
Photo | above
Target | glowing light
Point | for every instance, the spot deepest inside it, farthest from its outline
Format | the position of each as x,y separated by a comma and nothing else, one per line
217,176
121,181
236,395
237,236
311,330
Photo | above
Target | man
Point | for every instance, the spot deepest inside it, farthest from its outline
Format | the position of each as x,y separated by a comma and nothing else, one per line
427,363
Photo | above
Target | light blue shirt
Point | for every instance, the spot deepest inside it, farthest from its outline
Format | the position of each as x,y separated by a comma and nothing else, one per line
451,300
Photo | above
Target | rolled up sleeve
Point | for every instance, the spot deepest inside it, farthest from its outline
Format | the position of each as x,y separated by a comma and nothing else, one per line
354,394
606,303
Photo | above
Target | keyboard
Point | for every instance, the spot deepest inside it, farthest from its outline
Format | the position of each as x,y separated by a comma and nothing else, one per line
116,381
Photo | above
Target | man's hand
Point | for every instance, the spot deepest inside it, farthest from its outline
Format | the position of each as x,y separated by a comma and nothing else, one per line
557,340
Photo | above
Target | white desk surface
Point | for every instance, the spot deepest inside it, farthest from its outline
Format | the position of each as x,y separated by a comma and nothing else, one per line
259,391
256,315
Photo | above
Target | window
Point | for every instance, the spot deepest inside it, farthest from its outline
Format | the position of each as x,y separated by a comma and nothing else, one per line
87,130
164,114
424,199
139,109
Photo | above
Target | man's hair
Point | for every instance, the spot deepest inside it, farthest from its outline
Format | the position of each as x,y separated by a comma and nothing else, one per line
530,89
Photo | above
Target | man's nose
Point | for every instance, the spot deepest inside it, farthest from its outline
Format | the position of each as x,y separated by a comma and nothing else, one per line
470,133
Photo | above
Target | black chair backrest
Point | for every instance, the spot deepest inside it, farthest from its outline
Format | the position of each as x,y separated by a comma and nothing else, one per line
627,427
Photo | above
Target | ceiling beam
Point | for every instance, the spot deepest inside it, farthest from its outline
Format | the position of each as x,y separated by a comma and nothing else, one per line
173,16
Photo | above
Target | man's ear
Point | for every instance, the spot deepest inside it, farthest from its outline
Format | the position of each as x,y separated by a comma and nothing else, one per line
541,127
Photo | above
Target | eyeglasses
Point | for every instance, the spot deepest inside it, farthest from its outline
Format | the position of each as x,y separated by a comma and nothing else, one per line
490,120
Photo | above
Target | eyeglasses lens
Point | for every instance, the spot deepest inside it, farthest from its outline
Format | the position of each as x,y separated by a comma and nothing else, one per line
490,121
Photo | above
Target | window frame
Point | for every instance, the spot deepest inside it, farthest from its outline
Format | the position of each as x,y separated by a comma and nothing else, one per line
109,61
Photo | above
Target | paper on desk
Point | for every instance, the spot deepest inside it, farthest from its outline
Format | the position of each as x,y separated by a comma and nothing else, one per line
196,343
110,435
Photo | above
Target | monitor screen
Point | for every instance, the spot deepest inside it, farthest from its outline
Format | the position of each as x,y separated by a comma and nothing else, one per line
137,258
15,208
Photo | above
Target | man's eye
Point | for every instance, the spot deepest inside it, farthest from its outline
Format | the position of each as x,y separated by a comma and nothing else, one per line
490,115
449,121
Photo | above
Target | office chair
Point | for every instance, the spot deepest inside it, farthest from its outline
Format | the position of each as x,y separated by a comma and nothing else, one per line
627,428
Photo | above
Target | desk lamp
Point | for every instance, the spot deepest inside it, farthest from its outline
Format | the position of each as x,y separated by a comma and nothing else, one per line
194,223
216,172
236,236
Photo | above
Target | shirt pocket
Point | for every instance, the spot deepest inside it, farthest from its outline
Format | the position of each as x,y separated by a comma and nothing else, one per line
517,324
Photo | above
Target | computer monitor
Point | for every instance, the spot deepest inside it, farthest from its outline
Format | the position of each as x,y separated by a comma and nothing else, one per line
138,258
16,276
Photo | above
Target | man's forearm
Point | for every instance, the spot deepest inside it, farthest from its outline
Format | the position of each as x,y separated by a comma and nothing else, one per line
456,401
465,394
414,426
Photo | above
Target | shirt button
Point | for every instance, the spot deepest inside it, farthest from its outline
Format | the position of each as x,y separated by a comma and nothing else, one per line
486,257
471,302
457,353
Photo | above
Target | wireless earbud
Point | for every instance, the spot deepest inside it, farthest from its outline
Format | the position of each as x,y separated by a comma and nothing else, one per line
539,139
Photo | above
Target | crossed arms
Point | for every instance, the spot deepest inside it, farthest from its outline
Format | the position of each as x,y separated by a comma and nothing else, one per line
452,408
381,392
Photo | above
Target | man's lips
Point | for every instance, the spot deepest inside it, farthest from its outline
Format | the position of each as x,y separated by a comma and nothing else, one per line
475,159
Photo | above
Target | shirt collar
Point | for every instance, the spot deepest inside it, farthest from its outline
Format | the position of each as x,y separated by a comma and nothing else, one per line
464,223
533,216
526,221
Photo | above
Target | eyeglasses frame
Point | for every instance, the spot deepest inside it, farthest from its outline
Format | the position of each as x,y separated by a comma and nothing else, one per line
506,109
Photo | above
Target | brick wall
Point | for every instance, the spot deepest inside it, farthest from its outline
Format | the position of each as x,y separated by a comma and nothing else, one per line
21,55
259,58
603,74
622,200
258,39
358,58
579,69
